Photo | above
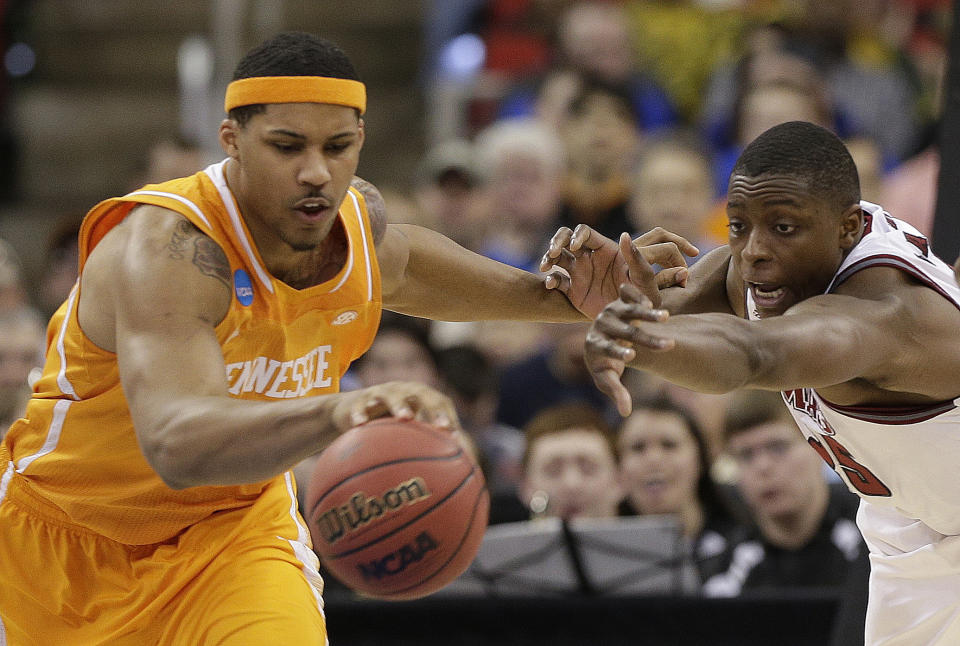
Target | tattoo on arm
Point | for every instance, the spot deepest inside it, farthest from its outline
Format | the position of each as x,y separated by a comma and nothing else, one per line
209,257
376,207
178,241
207,254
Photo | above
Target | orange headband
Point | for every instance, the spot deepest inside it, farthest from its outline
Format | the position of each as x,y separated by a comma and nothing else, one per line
296,89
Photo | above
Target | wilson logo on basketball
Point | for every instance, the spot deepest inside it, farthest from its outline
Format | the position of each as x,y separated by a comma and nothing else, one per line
337,522
397,562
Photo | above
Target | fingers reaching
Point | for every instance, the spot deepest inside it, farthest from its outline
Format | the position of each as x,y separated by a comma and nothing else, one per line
558,243
587,238
660,235
608,381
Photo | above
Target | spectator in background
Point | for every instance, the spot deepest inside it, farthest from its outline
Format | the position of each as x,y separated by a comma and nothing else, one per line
673,188
679,42
875,93
805,534
555,375
874,100
446,189
401,351
593,40
601,139
776,97
169,158
570,465
707,409
60,265
665,469
868,159
470,379
522,164
13,293
22,341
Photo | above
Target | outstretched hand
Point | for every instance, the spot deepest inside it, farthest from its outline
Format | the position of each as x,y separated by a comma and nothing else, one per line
613,337
588,267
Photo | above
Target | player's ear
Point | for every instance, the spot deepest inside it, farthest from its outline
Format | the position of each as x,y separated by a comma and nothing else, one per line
227,135
362,131
851,225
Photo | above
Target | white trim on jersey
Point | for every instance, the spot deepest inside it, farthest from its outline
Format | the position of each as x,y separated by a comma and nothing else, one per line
301,548
346,274
179,198
61,407
366,246
53,435
215,173
5,480
62,382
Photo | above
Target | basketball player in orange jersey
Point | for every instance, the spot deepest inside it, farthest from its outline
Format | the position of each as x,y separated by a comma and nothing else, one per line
844,309
147,497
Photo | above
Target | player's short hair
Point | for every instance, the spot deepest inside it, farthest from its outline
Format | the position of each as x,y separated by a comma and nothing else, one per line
807,152
292,53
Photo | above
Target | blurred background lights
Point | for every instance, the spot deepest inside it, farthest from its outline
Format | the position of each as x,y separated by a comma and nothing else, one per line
462,57
19,59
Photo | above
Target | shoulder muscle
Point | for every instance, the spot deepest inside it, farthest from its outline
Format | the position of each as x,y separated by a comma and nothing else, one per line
154,264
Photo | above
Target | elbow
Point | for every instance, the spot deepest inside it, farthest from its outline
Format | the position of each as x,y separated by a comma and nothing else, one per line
168,458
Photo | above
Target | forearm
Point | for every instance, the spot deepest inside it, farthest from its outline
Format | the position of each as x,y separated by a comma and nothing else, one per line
713,353
444,281
217,440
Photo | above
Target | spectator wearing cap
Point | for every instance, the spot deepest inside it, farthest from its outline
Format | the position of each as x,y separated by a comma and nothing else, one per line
446,191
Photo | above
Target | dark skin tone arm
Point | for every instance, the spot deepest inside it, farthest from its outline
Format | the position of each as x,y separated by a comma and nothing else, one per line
420,270
827,342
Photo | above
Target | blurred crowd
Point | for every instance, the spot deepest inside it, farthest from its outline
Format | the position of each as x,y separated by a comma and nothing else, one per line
624,116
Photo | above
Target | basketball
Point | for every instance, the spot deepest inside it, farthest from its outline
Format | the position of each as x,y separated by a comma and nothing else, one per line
396,509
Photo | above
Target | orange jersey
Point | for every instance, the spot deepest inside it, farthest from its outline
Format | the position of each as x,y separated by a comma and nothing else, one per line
76,448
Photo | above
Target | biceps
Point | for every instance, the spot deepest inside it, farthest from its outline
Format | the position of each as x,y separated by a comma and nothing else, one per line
816,354
167,345
159,365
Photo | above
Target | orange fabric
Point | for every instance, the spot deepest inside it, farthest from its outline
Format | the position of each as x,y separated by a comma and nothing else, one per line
295,89
207,586
76,447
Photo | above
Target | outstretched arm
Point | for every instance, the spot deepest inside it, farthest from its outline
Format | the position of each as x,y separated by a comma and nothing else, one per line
822,342
425,274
